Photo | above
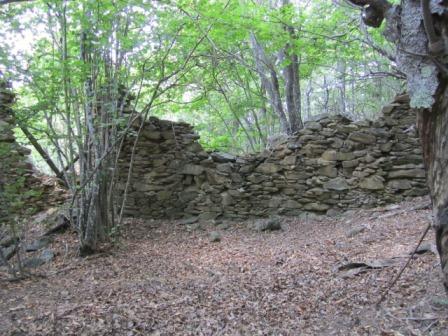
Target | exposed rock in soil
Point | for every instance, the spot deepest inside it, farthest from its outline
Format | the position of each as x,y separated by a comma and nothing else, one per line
45,257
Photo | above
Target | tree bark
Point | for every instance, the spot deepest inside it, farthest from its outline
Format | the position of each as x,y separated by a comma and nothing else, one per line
341,69
326,95
433,128
421,56
271,84
292,82
309,92
292,89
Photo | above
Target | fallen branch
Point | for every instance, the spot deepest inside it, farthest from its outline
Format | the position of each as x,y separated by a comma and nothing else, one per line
404,267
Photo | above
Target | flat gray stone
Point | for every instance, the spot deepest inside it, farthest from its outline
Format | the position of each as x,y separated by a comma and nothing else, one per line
38,244
363,138
188,221
338,184
316,206
374,182
222,157
45,257
355,231
408,173
268,168
400,184
190,169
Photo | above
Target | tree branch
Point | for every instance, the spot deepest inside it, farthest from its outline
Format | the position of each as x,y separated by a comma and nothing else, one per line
5,2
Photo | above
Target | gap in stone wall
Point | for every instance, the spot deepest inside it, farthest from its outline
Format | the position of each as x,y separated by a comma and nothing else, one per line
331,165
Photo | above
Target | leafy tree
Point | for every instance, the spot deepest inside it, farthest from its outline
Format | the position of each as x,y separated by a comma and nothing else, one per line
85,61
242,71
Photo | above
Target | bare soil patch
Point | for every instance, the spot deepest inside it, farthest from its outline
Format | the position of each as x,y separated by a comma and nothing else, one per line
166,279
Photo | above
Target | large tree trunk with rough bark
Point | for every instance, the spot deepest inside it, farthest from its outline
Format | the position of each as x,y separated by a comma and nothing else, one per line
433,128
419,29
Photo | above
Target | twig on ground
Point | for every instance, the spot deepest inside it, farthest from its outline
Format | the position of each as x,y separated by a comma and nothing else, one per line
404,267
432,324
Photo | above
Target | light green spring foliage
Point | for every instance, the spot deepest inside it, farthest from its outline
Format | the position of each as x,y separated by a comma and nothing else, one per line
226,85
194,58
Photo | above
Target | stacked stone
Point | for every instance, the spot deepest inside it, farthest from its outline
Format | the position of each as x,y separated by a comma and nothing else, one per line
406,172
331,165
167,168
15,171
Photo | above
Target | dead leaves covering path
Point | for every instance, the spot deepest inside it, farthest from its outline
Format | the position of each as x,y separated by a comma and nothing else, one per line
165,280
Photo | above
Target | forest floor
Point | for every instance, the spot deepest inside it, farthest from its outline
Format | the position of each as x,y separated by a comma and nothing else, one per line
168,279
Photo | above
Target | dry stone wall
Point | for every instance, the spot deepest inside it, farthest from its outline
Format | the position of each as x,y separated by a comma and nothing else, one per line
331,165
16,173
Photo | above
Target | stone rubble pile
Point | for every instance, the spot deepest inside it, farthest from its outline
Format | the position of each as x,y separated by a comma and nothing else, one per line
331,165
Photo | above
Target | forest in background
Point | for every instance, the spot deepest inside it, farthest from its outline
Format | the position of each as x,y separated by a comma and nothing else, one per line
242,72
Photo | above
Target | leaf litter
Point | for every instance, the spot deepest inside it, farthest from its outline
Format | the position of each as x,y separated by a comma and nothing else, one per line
165,279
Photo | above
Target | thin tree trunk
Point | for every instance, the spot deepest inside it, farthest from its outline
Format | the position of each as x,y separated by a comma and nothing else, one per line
353,91
41,151
309,92
326,95
269,83
341,68
66,88
292,80
292,89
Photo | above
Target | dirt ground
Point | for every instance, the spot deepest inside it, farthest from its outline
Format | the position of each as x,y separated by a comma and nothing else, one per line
170,279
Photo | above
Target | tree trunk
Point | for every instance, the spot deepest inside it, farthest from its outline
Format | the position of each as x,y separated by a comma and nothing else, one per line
309,92
341,69
277,102
326,95
433,128
292,89
42,152
292,83
263,65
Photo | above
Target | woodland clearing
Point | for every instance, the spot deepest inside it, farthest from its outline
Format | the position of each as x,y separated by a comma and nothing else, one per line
167,278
